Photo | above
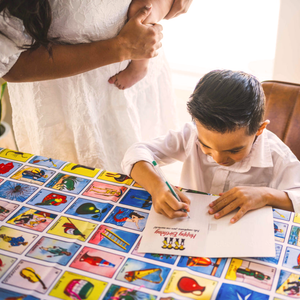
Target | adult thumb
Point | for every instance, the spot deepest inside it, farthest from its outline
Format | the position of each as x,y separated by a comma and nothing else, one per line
143,13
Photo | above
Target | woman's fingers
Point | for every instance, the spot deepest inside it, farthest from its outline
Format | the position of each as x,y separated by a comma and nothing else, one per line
139,41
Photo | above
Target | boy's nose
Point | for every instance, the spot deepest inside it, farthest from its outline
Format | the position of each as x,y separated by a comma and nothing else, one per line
218,157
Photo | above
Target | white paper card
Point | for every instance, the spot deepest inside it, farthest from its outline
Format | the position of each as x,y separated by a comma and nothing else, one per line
204,236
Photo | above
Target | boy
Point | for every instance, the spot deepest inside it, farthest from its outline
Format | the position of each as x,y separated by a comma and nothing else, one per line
226,151
137,69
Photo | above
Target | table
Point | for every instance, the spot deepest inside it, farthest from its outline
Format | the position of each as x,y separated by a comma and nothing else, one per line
69,231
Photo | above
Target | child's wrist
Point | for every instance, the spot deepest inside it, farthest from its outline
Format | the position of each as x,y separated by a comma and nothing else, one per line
157,187
277,198
268,197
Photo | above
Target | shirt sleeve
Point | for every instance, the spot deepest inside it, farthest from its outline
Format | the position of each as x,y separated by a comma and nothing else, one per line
12,37
175,146
287,178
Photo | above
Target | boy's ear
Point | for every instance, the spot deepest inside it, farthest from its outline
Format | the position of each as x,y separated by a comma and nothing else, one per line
262,127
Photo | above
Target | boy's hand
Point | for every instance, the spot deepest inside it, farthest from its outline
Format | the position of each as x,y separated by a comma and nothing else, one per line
165,203
245,197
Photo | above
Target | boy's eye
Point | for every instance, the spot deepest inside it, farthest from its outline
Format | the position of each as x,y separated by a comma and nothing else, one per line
234,151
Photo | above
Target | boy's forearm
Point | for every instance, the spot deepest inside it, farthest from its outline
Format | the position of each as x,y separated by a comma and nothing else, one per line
145,175
278,199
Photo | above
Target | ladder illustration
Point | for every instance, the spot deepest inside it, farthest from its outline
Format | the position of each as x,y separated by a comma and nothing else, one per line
115,238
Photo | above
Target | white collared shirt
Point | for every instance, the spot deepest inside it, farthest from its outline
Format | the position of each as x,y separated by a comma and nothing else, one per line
270,163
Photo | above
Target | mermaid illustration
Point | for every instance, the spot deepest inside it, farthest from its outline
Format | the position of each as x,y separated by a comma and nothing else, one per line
132,217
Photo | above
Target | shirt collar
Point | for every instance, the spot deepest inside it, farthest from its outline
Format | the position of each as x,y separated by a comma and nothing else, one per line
259,156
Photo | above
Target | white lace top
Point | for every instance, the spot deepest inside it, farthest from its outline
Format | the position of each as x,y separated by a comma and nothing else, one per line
84,119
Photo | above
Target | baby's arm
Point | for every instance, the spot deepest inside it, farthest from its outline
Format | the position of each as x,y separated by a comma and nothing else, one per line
159,9
163,201
248,198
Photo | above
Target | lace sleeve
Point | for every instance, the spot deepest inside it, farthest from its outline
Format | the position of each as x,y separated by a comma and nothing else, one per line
12,37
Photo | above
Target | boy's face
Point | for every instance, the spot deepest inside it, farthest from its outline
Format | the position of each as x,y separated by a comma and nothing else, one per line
226,148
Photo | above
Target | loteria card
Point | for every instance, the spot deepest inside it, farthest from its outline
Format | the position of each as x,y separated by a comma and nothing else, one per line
105,191
68,183
32,276
297,218
6,208
137,198
113,238
16,191
81,170
73,286
294,238
97,261
168,259
15,155
53,251
117,292
32,219
11,295
281,214
72,228
191,286
204,265
291,259
280,231
45,199
115,177
8,167
231,291
33,175
128,218
142,273
5,263
197,235
137,185
288,284
15,241
89,209
47,162
252,273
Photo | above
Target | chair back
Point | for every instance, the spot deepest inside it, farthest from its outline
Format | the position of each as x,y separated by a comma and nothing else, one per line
283,111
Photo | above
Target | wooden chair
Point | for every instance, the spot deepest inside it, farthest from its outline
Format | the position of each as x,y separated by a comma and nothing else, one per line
283,110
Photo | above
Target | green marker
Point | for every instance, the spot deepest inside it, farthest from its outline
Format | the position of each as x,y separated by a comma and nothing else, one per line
160,173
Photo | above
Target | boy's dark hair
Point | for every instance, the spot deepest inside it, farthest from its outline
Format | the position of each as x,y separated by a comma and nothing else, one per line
225,100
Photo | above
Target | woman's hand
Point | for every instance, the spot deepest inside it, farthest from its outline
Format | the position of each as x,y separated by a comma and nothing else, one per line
140,41
178,7
165,203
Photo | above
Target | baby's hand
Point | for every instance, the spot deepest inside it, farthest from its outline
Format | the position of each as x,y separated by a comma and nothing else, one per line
165,203
245,197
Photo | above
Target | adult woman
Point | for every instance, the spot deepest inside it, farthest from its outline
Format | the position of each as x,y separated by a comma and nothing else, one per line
72,112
